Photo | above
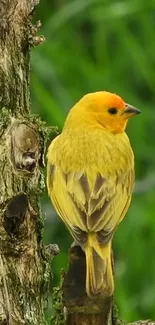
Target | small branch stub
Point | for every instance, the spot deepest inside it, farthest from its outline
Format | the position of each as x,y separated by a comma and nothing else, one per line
52,250
35,40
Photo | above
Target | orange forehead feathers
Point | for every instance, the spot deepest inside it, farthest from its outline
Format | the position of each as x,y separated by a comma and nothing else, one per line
105,99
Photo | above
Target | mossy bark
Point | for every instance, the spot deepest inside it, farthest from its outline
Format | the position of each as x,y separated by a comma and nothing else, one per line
24,269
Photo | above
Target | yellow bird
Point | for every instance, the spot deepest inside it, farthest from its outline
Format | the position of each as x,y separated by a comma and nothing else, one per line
90,179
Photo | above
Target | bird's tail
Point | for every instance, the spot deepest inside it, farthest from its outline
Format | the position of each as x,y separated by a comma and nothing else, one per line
99,276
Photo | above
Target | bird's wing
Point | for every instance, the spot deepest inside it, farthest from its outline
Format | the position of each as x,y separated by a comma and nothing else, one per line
83,209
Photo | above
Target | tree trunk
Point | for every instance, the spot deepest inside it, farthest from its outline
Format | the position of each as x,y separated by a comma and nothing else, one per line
24,269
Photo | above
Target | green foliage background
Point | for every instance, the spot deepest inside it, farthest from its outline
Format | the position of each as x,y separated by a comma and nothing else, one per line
105,45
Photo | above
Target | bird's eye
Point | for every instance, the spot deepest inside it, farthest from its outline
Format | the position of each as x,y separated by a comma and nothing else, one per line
112,110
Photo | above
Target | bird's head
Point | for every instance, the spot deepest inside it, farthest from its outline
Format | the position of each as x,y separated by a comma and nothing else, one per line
107,109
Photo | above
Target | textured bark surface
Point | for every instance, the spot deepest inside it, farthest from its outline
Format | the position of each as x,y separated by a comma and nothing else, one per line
24,270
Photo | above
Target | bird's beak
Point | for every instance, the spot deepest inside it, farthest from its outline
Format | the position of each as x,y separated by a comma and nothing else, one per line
131,110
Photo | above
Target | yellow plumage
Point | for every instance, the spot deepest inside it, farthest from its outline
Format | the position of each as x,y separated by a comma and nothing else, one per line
90,178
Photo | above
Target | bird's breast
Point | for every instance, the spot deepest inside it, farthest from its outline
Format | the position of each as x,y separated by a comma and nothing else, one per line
95,150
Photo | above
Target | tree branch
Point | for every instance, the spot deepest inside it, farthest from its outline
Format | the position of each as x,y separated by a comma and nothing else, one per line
143,322
79,308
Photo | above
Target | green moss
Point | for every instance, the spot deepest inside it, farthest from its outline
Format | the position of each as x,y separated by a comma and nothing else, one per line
58,308
42,182
115,319
42,127
40,225
47,276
